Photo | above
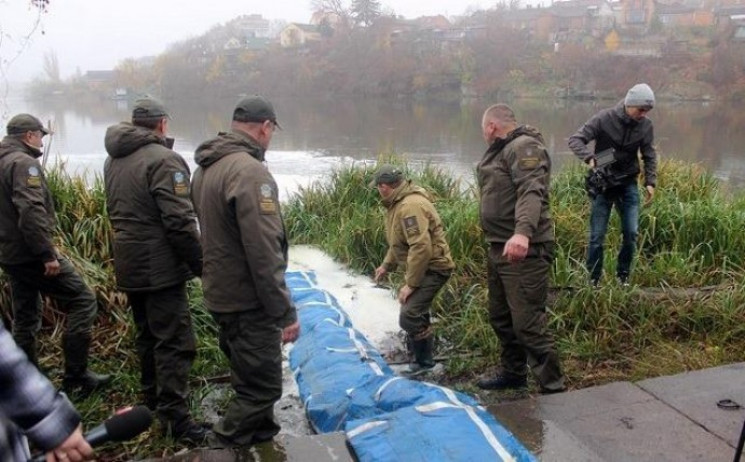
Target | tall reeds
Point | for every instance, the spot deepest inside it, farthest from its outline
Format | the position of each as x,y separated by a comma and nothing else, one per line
688,278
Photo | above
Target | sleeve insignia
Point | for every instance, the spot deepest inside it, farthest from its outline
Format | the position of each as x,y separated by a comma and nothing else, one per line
34,177
267,200
528,163
180,184
411,226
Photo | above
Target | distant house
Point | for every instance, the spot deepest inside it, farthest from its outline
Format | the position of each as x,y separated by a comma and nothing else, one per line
637,13
296,35
684,15
253,25
99,79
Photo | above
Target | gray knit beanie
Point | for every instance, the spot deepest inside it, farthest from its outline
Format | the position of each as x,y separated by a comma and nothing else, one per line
639,95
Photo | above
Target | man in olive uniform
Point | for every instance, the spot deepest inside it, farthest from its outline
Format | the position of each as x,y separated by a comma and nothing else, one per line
513,178
33,264
156,251
245,258
416,241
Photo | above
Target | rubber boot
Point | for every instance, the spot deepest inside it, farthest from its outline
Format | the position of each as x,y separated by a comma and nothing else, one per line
423,357
77,376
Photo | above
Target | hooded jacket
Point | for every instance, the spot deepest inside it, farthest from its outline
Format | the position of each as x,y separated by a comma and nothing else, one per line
415,235
514,177
243,236
613,128
27,220
156,242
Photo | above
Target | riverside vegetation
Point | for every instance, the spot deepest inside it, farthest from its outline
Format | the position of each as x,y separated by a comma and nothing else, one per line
684,311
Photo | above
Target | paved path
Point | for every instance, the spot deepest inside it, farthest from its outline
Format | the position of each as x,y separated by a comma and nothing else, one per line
673,418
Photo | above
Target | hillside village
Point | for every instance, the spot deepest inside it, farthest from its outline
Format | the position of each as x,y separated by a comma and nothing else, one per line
688,49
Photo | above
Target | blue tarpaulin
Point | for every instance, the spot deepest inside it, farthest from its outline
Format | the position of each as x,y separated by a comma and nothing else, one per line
346,385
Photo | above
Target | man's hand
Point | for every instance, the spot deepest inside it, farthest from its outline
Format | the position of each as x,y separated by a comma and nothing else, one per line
291,332
73,449
380,271
404,293
649,190
591,163
516,249
51,268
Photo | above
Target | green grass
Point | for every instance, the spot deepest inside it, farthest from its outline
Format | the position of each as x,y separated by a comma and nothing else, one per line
685,310
690,237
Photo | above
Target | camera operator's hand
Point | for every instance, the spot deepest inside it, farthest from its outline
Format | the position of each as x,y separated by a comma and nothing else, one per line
73,449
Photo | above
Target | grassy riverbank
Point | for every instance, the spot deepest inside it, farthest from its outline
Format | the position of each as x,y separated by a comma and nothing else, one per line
684,311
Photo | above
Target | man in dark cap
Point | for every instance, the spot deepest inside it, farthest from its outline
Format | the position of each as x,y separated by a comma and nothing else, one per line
156,251
31,261
416,242
625,132
245,258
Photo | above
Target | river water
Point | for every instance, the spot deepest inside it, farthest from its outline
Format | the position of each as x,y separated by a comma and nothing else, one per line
319,135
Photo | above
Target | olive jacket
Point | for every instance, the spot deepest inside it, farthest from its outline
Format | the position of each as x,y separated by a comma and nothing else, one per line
27,220
415,234
514,177
243,235
156,241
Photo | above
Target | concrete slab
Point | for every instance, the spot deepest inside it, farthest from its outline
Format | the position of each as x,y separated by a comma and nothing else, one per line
695,394
616,422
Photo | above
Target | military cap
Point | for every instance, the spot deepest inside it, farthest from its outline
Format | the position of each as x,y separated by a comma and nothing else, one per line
23,123
387,174
255,109
148,108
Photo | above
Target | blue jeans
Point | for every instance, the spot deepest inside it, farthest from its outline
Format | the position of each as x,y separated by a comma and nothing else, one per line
626,200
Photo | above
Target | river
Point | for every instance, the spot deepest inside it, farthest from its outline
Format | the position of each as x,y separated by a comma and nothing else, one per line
319,135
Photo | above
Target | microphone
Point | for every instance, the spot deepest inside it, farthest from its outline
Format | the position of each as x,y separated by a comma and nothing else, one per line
120,427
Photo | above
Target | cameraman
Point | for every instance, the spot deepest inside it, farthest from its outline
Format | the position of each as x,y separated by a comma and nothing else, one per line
626,129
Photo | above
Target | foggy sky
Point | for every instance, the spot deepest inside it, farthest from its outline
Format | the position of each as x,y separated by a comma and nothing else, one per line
97,34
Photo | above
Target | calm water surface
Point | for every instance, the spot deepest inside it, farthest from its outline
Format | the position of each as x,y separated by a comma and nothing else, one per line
319,135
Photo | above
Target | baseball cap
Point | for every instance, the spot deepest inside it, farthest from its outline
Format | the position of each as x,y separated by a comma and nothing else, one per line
387,174
149,108
255,109
23,123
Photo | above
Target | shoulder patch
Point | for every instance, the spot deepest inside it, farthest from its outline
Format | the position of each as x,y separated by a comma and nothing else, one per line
181,184
34,177
411,226
529,160
267,200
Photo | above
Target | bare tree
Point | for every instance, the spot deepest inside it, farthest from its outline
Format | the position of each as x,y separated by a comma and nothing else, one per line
51,67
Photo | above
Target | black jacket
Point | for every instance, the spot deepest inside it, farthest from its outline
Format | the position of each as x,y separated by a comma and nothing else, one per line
613,128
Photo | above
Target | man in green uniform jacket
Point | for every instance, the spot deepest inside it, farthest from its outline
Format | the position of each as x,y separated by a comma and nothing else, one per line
156,250
33,264
245,258
513,178
416,241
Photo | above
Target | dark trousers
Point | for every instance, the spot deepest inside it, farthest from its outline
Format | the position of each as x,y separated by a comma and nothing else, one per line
414,317
27,283
252,343
166,348
626,200
517,313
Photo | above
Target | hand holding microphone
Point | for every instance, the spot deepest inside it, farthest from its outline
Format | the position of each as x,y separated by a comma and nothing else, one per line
120,427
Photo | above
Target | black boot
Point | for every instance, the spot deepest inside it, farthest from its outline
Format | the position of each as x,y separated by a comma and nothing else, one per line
77,376
423,357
